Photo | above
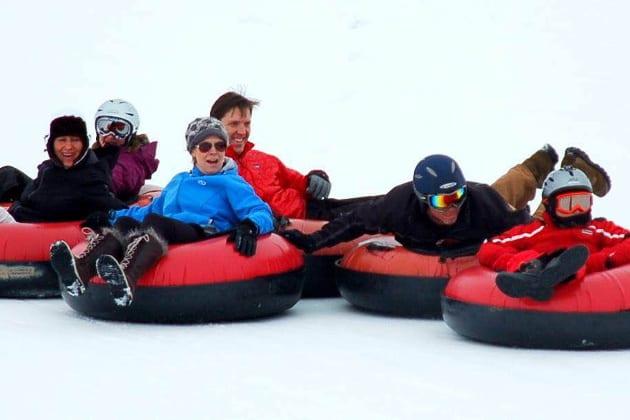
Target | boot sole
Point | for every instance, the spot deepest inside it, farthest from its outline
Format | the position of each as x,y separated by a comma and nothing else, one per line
564,266
519,285
582,155
62,261
112,273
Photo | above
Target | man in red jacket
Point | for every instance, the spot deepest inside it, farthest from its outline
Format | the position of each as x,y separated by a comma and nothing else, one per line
287,191
567,244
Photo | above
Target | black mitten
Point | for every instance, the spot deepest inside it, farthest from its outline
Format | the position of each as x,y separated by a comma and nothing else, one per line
280,222
245,238
305,242
532,266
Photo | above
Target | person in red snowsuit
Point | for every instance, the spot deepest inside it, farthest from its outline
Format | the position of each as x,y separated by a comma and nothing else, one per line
565,245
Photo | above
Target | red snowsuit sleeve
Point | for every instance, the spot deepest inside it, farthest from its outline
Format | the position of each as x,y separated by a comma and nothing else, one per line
614,244
508,251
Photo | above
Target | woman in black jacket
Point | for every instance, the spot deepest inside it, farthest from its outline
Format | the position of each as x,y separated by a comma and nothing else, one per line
73,183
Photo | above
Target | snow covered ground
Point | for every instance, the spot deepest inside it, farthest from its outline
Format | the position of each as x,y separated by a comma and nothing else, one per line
362,89
321,359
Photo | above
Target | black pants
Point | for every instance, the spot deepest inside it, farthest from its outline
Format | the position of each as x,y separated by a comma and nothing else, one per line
12,183
171,230
329,208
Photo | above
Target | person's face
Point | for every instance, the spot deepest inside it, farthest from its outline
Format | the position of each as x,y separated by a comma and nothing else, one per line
112,131
238,125
68,149
573,203
445,217
443,209
209,154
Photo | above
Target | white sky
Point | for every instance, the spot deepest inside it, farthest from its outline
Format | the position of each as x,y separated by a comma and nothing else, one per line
362,89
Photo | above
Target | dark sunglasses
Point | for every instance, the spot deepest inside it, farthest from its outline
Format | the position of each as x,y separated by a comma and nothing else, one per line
205,147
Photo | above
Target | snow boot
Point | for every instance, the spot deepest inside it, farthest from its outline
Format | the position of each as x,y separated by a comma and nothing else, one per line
541,163
562,267
539,284
144,249
75,272
518,285
600,181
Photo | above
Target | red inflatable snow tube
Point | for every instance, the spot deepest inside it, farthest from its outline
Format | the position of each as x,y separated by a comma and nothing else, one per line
381,275
25,270
319,272
205,281
592,313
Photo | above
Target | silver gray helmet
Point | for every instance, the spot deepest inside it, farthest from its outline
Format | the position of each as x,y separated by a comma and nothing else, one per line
119,108
566,178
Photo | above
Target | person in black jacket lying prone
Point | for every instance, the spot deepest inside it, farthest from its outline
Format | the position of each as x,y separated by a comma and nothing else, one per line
438,213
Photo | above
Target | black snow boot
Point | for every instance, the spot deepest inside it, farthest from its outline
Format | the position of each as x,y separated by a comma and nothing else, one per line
144,249
539,285
518,285
73,272
562,267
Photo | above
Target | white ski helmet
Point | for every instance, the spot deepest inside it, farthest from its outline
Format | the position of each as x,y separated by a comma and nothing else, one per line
566,178
119,108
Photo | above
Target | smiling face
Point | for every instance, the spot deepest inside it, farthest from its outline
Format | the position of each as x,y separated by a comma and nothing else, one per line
238,124
445,217
209,161
68,149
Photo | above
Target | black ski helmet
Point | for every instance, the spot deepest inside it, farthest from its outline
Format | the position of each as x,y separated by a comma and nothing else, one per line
437,174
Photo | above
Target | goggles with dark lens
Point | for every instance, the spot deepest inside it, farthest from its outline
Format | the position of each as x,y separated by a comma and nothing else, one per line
574,202
115,126
442,201
205,147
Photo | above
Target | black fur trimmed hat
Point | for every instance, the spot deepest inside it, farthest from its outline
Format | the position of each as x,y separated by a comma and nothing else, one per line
67,125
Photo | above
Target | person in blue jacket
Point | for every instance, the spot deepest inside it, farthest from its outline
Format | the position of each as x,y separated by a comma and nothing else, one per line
209,199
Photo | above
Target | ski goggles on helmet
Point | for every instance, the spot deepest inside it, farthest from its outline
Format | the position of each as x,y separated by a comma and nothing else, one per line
573,202
205,146
442,201
115,126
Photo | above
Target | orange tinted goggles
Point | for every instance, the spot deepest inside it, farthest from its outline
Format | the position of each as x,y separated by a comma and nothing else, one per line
574,202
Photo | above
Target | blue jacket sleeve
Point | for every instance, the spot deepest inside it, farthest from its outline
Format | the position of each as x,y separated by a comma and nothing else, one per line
247,205
140,212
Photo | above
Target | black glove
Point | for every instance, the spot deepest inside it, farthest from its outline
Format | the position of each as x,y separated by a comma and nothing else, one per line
244,238
280,223
318,185
97,221
305,242
533,266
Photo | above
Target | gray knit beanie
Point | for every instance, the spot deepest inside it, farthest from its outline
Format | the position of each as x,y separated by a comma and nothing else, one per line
201,128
